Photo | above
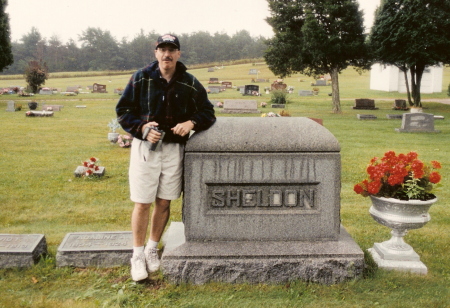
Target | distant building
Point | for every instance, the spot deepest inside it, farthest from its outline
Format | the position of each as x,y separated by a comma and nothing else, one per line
391,79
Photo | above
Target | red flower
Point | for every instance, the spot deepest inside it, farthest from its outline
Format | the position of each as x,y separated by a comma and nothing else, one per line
93,159
89,172
436,164
374,187
358,189
435,177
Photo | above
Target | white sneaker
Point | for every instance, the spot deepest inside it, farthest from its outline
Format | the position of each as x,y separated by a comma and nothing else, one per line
138,270
152,258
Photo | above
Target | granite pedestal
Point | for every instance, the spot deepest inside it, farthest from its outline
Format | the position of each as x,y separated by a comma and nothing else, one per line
261,204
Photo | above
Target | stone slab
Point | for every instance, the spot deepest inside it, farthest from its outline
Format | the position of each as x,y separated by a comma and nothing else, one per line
174,236
410,266
21,250
394,116
240,106
80,170
52,107
325,262
98,249
366,117
278,106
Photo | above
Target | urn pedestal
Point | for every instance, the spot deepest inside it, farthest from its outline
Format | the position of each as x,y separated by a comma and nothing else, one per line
400,216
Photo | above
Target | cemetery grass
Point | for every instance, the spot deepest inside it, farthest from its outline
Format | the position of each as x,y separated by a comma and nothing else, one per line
39,194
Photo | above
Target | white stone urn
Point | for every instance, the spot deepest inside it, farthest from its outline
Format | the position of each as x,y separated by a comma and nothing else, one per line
400,216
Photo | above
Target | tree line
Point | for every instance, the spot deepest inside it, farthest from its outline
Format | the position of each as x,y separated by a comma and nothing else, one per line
99,50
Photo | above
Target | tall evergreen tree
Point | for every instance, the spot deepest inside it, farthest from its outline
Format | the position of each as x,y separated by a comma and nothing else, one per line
412,34
316,37
6,56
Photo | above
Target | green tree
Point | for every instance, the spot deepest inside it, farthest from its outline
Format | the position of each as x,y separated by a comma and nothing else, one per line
412,34
6,56
36,74
316,37
100,49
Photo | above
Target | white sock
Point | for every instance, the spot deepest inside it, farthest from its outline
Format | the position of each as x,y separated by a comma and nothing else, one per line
152,245
138,250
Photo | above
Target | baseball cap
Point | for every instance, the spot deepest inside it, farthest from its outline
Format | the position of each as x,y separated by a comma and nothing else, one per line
168,39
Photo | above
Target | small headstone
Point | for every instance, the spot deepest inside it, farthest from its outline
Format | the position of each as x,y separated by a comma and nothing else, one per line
417,122
366,117
394,116
46,92
213,80
253,72
305,93
100,249
240,106
400,104
10,106
210,69
214,90
52,107
21,250
79,171
437,117
365,103
251,89
99,88
80,106
227,84
320,82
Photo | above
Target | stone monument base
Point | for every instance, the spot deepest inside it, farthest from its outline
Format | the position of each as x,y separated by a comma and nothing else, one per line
326,262
413,266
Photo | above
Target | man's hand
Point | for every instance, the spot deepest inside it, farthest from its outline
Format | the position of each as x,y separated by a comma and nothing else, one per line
183,129
153,136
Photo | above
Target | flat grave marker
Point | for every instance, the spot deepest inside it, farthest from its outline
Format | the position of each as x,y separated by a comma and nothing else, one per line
21,250
100,249
240,106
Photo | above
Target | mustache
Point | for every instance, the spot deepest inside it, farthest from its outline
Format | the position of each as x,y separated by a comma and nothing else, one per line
167,59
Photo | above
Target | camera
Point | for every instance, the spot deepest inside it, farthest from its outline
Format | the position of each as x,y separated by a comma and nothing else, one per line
153,146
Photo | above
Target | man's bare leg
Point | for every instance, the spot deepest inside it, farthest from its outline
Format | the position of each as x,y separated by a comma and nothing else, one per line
160,216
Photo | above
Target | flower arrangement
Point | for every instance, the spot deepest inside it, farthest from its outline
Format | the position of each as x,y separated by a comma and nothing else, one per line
263,104
401,176
113,125
124,141
90,166
219,104
269,115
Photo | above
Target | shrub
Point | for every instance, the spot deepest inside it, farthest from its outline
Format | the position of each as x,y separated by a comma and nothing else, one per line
278,97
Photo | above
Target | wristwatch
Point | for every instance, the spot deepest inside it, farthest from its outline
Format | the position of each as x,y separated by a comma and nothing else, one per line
193,122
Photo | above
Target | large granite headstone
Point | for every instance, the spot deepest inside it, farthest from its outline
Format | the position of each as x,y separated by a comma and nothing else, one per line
99,249
21,250
240,106
417,122
262,204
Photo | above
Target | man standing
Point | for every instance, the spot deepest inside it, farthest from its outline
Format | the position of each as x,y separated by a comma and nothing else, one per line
163,96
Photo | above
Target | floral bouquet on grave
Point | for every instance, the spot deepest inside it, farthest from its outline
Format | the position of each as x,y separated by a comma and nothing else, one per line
219,104
90,166
124,141
402,176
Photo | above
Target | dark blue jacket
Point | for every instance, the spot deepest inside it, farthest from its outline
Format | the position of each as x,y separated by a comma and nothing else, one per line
148,97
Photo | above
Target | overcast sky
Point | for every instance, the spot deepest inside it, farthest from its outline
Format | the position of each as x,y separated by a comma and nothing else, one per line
68,19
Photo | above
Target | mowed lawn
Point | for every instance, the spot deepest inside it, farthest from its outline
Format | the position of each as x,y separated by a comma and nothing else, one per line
40,195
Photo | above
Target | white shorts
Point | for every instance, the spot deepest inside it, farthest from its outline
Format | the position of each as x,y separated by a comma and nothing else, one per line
155,173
